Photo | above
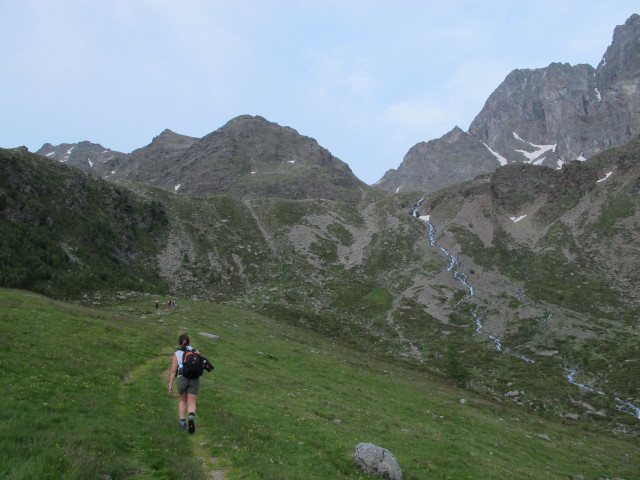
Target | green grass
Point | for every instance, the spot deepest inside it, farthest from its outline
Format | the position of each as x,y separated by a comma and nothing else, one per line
283,403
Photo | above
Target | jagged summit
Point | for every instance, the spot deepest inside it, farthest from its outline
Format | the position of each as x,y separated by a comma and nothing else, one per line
88,156
455,157
548,116
250,155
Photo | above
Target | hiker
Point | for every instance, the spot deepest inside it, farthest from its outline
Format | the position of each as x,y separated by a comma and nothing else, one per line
187,387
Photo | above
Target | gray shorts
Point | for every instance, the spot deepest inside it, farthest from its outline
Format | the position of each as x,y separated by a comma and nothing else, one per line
188,385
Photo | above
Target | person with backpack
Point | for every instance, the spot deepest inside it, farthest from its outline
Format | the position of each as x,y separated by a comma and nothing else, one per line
187,366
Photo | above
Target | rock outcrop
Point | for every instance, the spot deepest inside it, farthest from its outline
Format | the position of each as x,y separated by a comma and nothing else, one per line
548,116
90,157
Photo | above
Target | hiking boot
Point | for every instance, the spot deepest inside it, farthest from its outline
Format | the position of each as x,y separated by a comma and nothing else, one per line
192,423
183,424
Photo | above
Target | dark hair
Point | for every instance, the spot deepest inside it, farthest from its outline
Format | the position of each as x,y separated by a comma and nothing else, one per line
183,341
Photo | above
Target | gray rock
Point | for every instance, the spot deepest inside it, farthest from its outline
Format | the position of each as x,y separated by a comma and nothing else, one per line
209,335
546,116
429,166
378,461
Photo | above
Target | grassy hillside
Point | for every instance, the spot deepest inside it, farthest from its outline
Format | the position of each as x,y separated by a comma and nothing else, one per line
65,234
556,287
86,397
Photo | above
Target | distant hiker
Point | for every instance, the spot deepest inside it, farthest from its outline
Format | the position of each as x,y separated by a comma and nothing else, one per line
168,303
157,304
188,385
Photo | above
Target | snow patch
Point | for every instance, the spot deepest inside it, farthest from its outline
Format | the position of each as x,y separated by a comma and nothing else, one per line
50,154
177,187
291,161
598,94
517,219
503,161
425,218
581,158
605,177
535,156
70,150
254,172
90,162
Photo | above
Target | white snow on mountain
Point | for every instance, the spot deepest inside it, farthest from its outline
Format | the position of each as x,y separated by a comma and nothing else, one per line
503,161
605,177
535,157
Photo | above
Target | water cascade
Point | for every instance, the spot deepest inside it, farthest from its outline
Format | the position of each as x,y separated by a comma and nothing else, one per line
460,275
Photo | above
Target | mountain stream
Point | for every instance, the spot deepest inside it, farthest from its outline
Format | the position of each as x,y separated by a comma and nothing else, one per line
458,271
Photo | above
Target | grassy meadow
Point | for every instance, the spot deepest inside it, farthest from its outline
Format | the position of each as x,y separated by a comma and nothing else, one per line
86,397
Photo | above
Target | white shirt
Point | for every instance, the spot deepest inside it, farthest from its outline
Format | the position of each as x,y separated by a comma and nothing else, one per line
179,356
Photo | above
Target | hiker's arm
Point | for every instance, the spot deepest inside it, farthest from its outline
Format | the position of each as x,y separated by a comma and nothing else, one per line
172,375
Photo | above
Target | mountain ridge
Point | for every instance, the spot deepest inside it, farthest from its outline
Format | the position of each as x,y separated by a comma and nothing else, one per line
533,243
512,271
548,116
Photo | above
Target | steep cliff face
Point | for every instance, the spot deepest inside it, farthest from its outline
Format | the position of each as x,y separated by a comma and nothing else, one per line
548,116
453,158
539,116
618,82
562,113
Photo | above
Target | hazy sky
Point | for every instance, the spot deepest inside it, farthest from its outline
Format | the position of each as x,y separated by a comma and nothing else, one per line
366,79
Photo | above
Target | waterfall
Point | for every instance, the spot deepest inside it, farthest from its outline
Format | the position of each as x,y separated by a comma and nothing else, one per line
463,278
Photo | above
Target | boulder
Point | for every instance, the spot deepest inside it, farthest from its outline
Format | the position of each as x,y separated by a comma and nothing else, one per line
378,461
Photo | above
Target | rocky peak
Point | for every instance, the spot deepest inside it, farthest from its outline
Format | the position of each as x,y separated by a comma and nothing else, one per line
253,156
547,116
172,140
529,117
622,58
148,163
455,157
88,156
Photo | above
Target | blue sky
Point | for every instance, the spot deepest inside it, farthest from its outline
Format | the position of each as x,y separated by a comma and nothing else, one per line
366,79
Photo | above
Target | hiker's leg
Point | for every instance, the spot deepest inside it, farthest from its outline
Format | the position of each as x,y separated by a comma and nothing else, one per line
191,402
182,405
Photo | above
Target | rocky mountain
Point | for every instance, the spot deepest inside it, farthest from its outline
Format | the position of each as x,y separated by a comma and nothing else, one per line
513,280
87,156
249,156
151,163
64,232
548,116
428,166
518,282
